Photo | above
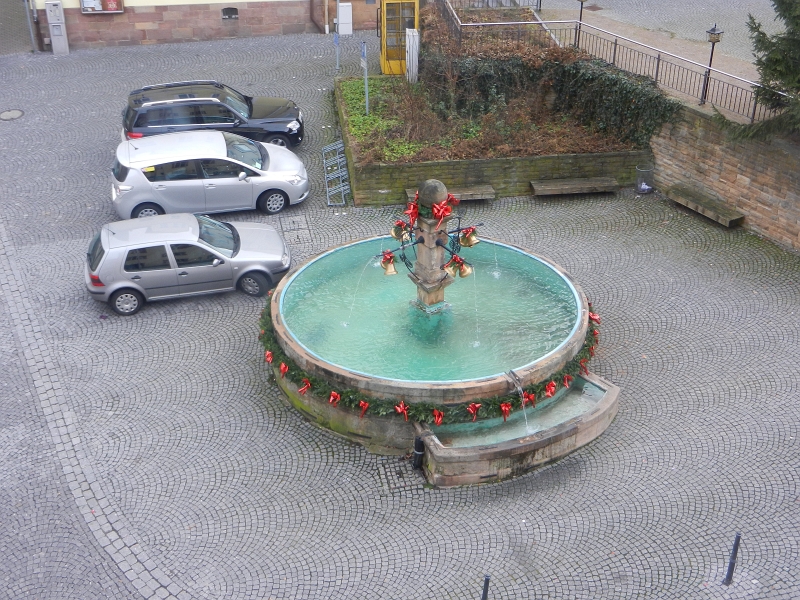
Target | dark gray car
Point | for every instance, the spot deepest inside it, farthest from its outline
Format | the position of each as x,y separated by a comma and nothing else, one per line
168,256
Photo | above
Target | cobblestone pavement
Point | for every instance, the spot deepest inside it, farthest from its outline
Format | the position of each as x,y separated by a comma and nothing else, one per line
149,456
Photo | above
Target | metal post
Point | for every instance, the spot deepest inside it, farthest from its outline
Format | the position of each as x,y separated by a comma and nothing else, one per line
614,57
364,66
419,453
708,74
29,8
732,561
485,595
336,44
658,66
578,28
755,106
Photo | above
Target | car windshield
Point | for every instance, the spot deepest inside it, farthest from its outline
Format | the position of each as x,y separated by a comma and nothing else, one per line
236,101
223,237
243,150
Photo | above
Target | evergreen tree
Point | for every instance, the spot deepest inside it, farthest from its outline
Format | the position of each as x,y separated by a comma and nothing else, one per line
778,64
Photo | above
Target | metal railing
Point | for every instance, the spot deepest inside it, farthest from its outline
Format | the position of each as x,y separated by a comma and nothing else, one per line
708,85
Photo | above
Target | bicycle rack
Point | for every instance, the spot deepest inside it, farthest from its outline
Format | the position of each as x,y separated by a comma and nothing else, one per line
337,182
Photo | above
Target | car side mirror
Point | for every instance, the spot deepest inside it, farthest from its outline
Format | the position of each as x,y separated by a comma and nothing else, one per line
217,262
237,122
242,176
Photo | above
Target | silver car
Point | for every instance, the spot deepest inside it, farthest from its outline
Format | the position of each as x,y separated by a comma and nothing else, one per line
204,171
168,256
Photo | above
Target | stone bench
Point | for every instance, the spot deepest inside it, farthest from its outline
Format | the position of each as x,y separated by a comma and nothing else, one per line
589,185
708,207
473,192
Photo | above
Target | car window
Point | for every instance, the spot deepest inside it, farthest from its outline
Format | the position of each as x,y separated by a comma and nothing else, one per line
218,235
152,258
120,171
242,149
189,255
236,101
217,168
95,253
174,171
168,115
214,113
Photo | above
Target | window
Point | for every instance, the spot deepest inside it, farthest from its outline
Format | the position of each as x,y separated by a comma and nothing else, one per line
153,258
95,253
169,115
214,113
189,255
242,149
230,13
174,171
221,236
217,168
120,171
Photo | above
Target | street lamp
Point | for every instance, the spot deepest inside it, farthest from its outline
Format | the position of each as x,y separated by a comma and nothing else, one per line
578,26
714,36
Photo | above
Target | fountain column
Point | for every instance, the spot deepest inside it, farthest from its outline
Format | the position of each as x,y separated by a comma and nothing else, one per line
428,275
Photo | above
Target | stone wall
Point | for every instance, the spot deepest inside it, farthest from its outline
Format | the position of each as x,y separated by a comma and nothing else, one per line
140,25
759,179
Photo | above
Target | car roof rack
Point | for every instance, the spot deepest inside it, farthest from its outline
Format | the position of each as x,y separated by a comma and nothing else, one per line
178,101
163,86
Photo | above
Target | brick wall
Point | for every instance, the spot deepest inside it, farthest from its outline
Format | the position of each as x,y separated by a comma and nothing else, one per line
759,179
141,25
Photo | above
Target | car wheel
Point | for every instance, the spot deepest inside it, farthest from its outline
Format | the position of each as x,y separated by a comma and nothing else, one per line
126,302
254,284
147,209
272,201
277,139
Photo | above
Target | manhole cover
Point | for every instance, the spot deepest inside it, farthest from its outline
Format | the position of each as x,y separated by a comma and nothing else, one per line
10,115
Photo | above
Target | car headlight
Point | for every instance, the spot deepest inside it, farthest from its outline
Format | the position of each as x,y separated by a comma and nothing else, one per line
295,179
294,126
285,258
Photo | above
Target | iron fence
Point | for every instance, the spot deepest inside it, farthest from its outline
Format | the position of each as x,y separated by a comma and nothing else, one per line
694,80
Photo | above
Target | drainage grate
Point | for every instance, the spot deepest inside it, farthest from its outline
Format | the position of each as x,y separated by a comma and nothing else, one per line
10,115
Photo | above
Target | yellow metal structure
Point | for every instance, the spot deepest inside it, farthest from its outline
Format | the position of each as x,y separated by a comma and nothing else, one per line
395,17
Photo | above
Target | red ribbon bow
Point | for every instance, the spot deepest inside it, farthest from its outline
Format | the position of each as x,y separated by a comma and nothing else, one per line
334,399
268,356
452,200
567,380
473,410
412,211
284,369
591,350
594,317
550,389
584,369
505,408
388,257
305,388
468,231
440,211
455,259
437,416
363,406
402,409
528,397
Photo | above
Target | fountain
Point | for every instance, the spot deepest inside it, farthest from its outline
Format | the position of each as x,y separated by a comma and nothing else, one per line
494,380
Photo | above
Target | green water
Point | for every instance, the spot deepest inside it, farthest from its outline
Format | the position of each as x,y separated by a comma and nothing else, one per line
512,312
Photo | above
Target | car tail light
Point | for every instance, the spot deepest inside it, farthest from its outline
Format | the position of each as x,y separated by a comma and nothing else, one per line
96,281
134,136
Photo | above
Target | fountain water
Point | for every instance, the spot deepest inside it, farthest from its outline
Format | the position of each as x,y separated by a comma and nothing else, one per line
404,368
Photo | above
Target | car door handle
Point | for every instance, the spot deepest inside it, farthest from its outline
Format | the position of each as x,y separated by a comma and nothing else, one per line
136,277
160,187
210,186
182,273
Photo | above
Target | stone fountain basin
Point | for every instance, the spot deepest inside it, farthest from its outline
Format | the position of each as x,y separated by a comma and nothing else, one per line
445,392
482,453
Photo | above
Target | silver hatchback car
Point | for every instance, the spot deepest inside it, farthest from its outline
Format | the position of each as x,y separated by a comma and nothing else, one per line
168,256
204,171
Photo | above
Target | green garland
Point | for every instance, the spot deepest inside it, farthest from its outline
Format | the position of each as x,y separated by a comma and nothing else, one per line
422,411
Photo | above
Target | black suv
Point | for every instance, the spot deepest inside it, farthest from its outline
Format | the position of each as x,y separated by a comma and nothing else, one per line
185,105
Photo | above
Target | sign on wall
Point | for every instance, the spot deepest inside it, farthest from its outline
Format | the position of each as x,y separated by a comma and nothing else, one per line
101,6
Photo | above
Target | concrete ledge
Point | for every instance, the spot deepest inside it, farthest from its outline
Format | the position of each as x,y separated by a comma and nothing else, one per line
715,210
465,194
446,467
587,185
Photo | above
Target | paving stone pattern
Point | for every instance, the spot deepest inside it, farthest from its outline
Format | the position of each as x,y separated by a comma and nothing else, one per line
150,456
